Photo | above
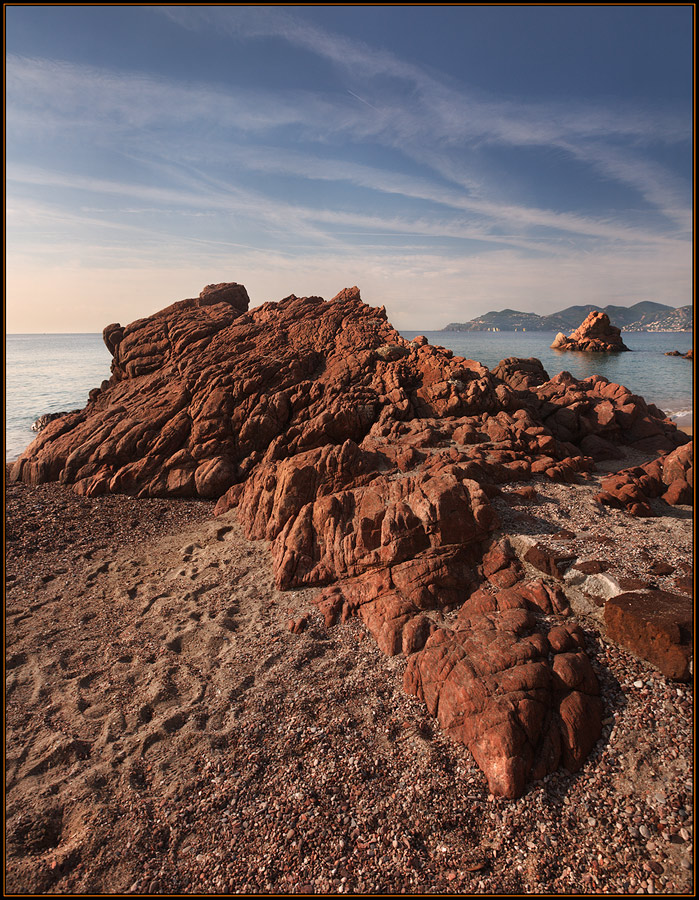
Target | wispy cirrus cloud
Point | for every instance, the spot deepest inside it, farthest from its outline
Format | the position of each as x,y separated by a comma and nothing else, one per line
226,198
420,290
461,113
389,168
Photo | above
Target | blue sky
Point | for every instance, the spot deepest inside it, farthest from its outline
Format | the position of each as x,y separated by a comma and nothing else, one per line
448,160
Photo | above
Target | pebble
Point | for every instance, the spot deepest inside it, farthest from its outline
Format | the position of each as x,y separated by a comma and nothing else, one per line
425,791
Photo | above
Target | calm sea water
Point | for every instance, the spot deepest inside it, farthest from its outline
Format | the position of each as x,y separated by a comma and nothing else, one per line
53,372
48,373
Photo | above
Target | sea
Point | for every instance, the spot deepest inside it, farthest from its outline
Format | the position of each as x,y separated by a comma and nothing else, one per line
47,373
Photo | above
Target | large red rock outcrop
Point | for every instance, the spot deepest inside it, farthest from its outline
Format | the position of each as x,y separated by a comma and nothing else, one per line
368,461
595,335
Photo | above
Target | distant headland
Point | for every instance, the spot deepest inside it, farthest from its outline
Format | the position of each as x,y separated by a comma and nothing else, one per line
643,316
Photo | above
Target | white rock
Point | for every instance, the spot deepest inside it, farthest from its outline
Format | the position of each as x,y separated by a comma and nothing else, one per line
599,585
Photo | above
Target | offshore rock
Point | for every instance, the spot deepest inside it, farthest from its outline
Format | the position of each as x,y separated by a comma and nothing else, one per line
369,462
595,335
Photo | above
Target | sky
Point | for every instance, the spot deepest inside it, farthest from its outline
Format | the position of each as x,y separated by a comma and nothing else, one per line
448,160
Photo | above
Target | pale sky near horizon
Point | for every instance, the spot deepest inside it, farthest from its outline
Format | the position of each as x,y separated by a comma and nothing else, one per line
448,160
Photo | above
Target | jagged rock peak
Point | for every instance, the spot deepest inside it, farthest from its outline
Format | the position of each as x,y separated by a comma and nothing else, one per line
226,292
595,335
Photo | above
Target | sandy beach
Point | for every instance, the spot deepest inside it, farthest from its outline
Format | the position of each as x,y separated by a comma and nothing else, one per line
166,732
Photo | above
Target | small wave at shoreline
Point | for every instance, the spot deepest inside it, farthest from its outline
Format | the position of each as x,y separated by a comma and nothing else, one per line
682,416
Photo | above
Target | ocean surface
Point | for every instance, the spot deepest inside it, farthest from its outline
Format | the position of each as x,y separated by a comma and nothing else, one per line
53,372
48,373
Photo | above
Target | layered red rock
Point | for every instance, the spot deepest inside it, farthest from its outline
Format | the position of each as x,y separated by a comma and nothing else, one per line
655,625
595,335
670,477
511,686
369,462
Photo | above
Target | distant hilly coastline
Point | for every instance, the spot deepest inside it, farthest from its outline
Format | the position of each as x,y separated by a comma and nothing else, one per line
643,316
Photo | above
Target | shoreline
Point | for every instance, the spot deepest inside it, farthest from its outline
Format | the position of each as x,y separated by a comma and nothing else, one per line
173,735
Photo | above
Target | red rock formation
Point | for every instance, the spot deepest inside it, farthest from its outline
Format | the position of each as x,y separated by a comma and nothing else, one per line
43,420
513,691
655,625
369,462
670,477
595,335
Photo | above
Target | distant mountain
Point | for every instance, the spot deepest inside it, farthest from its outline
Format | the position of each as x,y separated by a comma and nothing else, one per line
505,320
681,319
643,316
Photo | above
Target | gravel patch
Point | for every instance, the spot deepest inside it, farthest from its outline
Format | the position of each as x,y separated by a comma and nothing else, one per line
167,733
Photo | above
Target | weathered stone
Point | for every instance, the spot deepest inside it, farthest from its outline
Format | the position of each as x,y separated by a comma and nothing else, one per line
595,335
490,683
415,634
670,476
662,568
633,584
600,448
679,493
296,626
521,374
598,586
524,493
656,626
591,566
685,583
564,534
501,566
549,561
43,420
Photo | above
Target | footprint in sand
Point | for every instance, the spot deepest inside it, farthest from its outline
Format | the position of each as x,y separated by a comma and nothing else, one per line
37,832
174,643
55,749
17,659
188,551
162,727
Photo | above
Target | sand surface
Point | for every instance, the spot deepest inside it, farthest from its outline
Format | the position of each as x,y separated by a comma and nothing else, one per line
167,732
